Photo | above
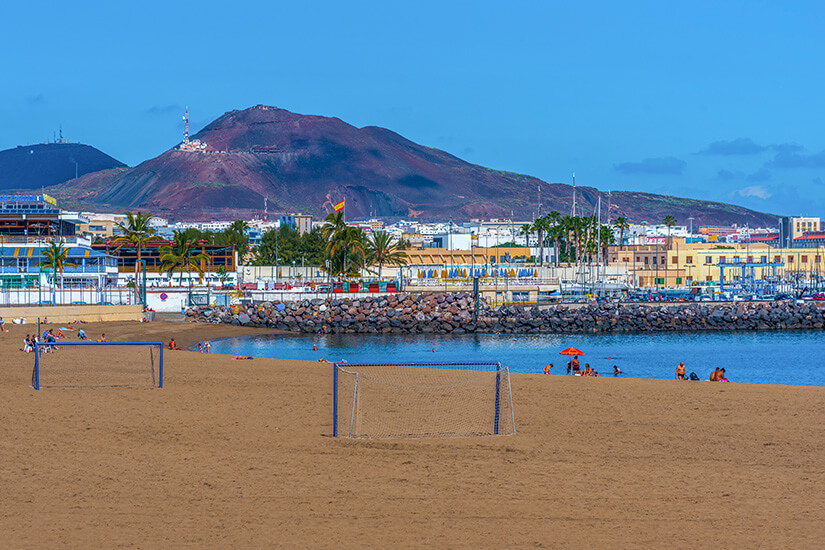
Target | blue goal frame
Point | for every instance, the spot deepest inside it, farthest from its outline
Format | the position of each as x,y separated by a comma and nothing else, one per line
38,345
495,364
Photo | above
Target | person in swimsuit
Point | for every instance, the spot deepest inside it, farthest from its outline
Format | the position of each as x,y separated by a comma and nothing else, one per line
616,370
547,368
680,371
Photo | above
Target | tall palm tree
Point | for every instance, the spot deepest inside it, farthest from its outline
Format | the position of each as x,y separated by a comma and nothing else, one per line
669,221
343,245
137,231
381,250
180,255
541,226
622,224
57,258
554,218
526,229
606,238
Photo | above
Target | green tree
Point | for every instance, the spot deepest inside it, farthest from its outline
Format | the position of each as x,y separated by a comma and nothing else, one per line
137,231
344,244
541,226
57,258
183,255
526,230
622,224
381,250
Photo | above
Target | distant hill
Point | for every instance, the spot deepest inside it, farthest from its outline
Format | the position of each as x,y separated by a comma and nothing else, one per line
308,163
46,164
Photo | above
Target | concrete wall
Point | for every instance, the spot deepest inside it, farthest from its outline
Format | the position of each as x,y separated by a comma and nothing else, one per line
67,314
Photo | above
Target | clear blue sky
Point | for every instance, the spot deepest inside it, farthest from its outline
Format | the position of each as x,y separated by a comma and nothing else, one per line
712,100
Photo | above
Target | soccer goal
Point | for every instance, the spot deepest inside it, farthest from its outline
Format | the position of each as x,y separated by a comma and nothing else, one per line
400,400
97,364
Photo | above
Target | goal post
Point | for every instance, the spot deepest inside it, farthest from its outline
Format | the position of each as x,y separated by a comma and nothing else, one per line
409,400
63,364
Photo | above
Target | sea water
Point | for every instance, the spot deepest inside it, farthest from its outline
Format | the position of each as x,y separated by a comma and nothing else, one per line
792,357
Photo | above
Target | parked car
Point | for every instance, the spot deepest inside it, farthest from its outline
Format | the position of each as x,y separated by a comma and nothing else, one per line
819,297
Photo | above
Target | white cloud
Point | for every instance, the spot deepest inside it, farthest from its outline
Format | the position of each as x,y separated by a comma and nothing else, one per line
757,191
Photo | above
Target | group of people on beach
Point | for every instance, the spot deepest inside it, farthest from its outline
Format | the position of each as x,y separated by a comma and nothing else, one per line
718,374
51,336
574,368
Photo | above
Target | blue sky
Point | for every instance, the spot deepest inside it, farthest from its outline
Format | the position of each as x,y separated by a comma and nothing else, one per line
711,100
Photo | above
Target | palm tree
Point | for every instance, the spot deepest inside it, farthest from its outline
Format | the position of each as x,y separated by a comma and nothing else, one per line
137,231
606,238
525,230
57,258
669,221
622,224
381,250
541,226
342,244
179,255
554,218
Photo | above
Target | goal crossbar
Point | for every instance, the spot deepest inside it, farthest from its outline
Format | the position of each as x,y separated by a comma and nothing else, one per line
488,368
39,346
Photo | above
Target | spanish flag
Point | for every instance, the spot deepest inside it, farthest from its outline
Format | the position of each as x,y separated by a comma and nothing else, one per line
340,206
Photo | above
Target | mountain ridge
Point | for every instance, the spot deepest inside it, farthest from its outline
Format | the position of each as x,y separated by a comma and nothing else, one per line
309,162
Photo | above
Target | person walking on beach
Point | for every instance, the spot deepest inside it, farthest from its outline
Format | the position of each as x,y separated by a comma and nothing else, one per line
680,371
206,346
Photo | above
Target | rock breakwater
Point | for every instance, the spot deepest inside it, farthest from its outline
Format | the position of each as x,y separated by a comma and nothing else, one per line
443,313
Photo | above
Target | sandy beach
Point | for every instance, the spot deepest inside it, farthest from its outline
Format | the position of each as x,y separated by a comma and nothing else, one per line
238,454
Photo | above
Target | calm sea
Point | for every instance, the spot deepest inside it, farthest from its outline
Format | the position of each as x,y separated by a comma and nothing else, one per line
792,357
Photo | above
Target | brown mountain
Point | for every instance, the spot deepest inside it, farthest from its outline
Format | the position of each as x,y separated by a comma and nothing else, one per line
308,163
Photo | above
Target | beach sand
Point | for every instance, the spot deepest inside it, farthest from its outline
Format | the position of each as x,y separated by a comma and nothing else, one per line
238,454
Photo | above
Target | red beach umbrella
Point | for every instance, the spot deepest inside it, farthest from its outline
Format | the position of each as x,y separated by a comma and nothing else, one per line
571,351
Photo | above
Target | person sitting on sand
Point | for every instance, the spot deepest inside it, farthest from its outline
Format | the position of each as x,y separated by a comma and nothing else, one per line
102,338
547,368
242,357
200,347
27,347
714,376
81,334
680,371
722,377
59,334
173,344
616,370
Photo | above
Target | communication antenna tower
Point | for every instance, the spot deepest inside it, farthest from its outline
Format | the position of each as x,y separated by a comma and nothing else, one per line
186,130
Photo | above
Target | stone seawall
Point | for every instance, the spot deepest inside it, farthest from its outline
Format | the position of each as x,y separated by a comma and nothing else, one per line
443,313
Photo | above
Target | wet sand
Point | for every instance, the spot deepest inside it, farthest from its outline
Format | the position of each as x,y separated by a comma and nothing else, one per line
238,454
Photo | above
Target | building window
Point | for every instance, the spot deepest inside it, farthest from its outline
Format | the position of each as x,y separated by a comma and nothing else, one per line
777,259
708,260
663,260
763,259
678,280
638,259
818,259
625,260
689,259
646,260
708,278
804,259
790,259
721,259
736,259
660,280
675,259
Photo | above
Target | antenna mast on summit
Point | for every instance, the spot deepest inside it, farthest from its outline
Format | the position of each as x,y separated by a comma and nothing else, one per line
186,130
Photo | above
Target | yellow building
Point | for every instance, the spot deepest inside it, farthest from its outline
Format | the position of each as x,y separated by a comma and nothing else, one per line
681,264
476,256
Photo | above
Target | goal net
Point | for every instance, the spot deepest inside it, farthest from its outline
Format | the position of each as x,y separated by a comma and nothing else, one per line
97,364
399,400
